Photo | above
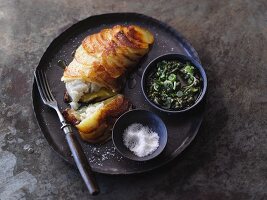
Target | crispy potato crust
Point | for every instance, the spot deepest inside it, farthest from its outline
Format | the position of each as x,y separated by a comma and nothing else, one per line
105,56
97,127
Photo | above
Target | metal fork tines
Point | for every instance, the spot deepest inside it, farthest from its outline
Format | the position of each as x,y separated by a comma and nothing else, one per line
75,147
46,94
44,89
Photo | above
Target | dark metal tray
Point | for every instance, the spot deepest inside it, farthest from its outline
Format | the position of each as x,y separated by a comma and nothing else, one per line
182,128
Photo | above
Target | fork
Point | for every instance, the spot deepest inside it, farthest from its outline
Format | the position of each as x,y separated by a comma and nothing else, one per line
74,145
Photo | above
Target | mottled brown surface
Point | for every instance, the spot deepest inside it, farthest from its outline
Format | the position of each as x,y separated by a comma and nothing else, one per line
228,158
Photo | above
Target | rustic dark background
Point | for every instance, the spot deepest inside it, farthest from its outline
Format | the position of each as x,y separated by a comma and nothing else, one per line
228,158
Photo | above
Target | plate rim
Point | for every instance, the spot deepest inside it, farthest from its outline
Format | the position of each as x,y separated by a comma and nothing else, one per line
171,156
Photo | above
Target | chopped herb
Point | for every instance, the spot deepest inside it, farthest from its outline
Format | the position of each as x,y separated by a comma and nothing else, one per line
174,85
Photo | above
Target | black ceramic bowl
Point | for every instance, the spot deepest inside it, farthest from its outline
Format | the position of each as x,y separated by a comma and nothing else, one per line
146,118
181,58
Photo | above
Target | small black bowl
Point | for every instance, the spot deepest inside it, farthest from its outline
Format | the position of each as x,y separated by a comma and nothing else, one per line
146,118
182,58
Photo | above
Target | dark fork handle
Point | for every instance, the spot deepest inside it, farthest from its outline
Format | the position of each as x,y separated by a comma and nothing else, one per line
82,163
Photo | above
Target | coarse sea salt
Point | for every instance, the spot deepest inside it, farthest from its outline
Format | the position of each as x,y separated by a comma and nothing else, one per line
140,139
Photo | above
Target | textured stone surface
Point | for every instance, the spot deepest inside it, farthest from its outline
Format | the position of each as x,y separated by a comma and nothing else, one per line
228,158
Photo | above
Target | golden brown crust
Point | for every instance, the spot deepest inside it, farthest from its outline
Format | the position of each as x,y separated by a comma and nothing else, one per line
97,127
99,75
105,56
71,117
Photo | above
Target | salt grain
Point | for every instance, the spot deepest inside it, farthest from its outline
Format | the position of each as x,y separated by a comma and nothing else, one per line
140,139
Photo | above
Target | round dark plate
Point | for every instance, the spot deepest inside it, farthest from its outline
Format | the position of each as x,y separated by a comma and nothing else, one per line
182,128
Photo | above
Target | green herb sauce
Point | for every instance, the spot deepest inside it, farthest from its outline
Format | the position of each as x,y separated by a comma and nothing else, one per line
174,85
